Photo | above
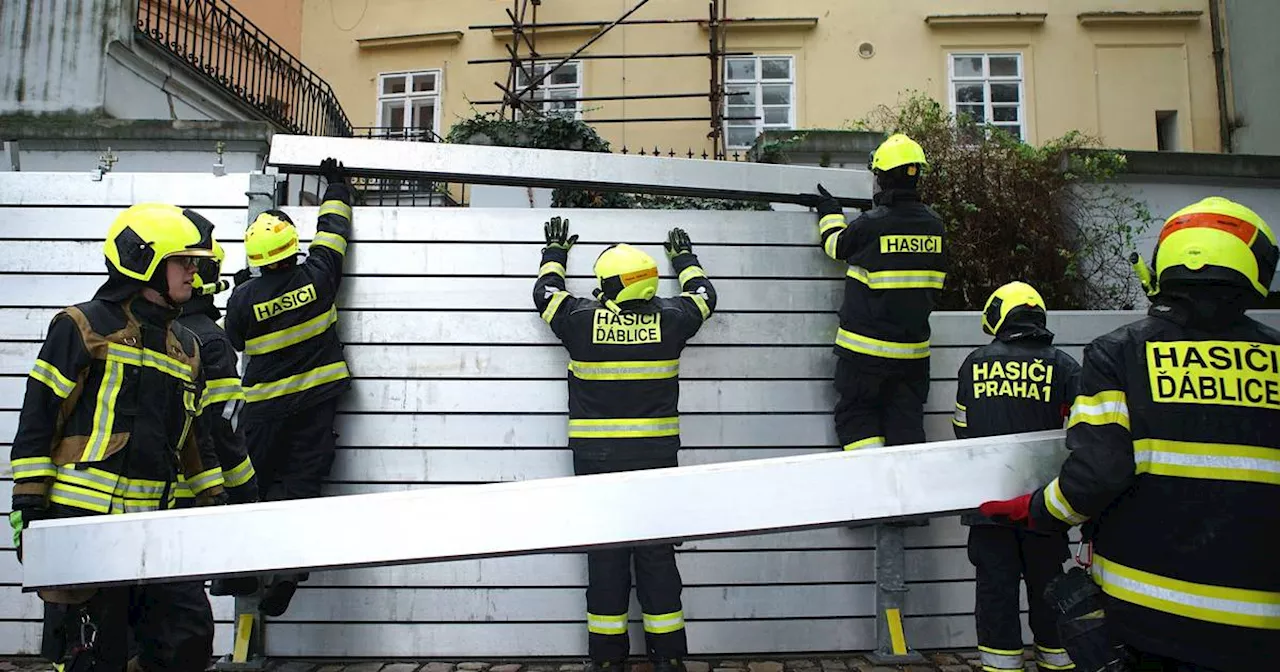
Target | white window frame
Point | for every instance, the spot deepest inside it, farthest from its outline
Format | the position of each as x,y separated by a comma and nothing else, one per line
987,80
409,97
545,87
758,82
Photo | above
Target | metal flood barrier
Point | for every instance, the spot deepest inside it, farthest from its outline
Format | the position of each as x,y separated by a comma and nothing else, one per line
459,383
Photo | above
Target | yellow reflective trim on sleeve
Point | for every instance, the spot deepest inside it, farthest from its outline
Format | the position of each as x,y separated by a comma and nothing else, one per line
869,442
606,625
551,267
832,243
205,480
335,208
878,348
903,279
661,624
239,475
1202,602
279,340
104,411
690,273
1209,461
33,467
330,240
1107,407
219,390
1058,505
631,370
623,428
961,416
306,380
556,299
832,221
50,375
701,302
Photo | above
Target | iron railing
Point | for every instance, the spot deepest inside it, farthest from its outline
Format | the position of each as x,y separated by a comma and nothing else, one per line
227,49
396,133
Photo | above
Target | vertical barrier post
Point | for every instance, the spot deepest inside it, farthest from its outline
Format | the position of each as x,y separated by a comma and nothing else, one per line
248,652
891,590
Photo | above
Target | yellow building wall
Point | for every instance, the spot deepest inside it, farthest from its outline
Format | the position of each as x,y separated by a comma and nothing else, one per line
1105,75
281,19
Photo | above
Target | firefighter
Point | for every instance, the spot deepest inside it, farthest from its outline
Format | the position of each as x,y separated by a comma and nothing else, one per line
285,322
107,428
624,349
222,395
1018,383
895,276
1174,455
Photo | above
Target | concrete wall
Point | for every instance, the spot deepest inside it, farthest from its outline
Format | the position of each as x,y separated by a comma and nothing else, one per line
1108,74
1254,56
80,144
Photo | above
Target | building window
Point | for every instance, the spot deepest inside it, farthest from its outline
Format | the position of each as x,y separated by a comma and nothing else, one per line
556,93
766,88
409,105
988,89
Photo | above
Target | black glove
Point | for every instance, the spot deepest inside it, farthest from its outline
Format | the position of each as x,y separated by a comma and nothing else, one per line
826,203
557,234
677,243
333,171
242,276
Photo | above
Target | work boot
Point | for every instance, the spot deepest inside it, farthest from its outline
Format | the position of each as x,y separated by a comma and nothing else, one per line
668,665
275,599
606,666
240,586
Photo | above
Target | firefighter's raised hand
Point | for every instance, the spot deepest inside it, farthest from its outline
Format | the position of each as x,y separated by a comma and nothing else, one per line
333,170
557,234
677,243
826,203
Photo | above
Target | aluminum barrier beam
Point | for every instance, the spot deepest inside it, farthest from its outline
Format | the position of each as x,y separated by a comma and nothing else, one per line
510,166
524,517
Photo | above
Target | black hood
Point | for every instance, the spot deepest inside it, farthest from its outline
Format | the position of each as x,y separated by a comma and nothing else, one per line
1023,324
1207,307
892,196
202,305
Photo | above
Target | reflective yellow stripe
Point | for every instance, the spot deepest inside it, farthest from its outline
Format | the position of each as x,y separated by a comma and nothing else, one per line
219,390
690,273
869,442
1000,660
1202,602
550,311
661,624
1048,658
91,500
878,348
607,625
832,221
551,267
914,279
1212,461
104,412
294,384
701,302
1058,505
832,243
50,375
634,370
205,480
961,416
1104,408
335,208
239,475
623,428
279,340
108,483
33,467
330,240
150,358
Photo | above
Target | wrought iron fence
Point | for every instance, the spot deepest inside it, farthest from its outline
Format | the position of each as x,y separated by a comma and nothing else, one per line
227,49
397,133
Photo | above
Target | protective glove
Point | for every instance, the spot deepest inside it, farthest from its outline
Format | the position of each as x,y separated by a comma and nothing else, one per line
18,521
1016,510
677,243
333,171
826,203
557,234
242,276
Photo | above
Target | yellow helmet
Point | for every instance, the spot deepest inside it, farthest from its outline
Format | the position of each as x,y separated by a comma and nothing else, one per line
898,150
1004,300
146,234
626,273
271,238
1216,240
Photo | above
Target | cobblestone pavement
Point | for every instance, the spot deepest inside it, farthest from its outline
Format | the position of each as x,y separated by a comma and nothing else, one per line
937,661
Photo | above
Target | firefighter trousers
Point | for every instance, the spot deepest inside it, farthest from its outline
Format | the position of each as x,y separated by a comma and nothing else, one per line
881,401
292,455
658,587
1003,557
169,625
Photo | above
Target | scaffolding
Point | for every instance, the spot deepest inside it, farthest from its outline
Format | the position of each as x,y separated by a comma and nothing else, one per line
523,57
